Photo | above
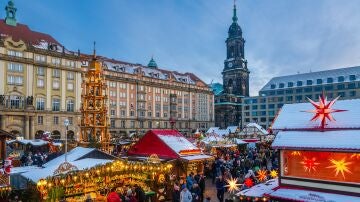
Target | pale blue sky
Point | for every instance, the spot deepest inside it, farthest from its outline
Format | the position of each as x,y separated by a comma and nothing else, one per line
282,36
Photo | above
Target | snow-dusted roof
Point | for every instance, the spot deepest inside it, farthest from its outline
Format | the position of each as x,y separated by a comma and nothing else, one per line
212,129
37,142
197,157
292,116
336,139
231,129
72,155
177,143
310,196
313,76
38,173
260,189
257,126
238,141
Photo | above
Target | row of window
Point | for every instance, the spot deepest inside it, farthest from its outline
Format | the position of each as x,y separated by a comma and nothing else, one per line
310,82
40,104
42,58
141,124
314,89
40,120
55,73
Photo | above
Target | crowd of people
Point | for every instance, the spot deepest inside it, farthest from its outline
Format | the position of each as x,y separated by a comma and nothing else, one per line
229,164
37,159
189,190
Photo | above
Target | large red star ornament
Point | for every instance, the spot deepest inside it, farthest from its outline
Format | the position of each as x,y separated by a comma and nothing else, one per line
323,110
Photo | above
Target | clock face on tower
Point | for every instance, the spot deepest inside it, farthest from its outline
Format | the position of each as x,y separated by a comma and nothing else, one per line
230,64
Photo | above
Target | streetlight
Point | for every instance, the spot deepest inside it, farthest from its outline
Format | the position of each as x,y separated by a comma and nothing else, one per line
66,124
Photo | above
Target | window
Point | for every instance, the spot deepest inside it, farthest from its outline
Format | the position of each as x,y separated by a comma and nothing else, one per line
263,113
254,107
112,123
280,92
290,84
56,120
352,93
280,99
254,113
56,85
15,80
56,73
40,83
351,85
149,114
318,88
307,90
271,113
309,82
289,91
40,58
55,61
70,76
40,103
298,98
112,112
165,125
56,104
280,105
329,95
340,86
289,98
341,79
308,96
281,85
40,120
262,106
70,86
299,90
70,120
272,86
132,124
15,67
41,71
319,81
329,88
271,92
70,105
352,77
330,80
132,113
341,94
149,124
122,124
299,83
122,113
271,106
15,53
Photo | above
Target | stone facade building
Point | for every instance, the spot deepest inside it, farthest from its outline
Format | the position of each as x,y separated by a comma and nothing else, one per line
41,87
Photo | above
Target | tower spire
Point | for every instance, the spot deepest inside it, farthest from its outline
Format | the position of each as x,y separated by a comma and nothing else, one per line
94,51
234,18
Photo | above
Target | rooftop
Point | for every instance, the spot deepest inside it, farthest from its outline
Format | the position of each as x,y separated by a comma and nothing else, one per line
314,78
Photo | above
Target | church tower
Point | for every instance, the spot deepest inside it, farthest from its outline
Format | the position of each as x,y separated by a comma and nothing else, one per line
235,73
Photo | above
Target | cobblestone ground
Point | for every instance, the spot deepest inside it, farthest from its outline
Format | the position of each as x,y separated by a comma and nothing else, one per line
210,190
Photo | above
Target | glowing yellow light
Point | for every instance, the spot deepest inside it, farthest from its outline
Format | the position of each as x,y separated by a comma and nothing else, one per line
232,184
274,173
340,166
262,175
295,153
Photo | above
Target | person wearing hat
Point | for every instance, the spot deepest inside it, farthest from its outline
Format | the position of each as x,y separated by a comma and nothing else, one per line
185,195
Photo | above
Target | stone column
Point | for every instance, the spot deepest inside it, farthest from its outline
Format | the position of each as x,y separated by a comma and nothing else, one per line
27,131
2,125
32,128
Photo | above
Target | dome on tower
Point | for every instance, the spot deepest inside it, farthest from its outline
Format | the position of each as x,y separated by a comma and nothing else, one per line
152,63
234,29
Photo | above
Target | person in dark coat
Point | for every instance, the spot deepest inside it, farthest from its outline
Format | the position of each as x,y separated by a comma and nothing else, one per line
202,186
220,187
140,194
176,193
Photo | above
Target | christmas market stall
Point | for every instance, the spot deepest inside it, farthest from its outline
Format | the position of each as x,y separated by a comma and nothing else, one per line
171,145
215,144
5,187
319,145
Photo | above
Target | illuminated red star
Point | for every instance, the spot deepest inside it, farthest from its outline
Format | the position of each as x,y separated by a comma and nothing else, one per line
248,182
323,110
309,164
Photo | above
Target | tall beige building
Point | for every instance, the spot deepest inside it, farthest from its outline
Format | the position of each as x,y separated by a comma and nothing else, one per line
146,97
41,87
41,81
